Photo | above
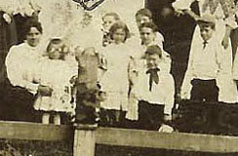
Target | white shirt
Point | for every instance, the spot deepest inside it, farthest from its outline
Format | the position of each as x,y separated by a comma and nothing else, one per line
161,93
21,62
206,62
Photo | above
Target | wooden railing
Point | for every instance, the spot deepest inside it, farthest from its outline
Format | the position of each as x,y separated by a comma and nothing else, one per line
86,137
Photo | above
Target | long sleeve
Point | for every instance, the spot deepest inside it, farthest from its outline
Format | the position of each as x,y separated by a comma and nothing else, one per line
182,4
169,89
16,73
186,85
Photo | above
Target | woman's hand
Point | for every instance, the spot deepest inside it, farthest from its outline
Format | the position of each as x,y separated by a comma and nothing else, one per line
45,90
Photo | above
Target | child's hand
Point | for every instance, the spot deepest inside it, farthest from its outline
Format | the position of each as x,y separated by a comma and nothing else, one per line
225,42
166,129
101,96
7,18
45,90
179,12
167,117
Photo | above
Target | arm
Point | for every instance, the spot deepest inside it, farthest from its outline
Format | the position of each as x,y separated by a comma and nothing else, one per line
225,41
192,14
186,85
132,71
182,4
169,89
15,71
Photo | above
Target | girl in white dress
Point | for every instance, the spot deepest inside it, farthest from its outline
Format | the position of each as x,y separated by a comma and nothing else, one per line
115,79
54,93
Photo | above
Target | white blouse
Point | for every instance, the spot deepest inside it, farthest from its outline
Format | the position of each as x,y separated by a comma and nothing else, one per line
22,63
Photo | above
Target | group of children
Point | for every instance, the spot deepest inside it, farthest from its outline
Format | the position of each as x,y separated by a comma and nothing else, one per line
134,71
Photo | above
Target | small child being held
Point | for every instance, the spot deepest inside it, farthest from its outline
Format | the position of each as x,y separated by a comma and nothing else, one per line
54,92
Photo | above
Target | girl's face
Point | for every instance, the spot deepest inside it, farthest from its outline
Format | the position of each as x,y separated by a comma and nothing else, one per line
108,21
119,36
33,37
55,52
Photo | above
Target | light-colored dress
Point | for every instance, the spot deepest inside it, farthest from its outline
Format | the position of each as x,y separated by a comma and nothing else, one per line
55,74
115,79
223,12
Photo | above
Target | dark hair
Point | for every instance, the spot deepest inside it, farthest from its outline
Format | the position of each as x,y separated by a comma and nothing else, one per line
150,25
53,41
144,12
119,25
32,23
154,49
207,24
115,15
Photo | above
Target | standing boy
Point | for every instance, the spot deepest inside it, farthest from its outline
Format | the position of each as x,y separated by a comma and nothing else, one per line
154,91
205,65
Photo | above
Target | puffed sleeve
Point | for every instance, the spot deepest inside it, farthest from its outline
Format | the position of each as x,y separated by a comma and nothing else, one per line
15,71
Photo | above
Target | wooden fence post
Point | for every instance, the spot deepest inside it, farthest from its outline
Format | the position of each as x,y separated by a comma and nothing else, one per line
84,140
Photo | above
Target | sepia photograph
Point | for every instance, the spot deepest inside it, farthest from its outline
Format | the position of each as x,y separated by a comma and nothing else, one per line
118,78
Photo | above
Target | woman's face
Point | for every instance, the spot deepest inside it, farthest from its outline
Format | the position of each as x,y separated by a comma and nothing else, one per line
33,37
119,36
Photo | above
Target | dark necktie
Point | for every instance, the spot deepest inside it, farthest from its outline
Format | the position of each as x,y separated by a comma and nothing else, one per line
205,44
154,77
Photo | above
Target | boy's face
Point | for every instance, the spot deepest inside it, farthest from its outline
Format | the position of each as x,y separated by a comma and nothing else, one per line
147,35
108,21
140,19
152,60
119,36
33,37
56,52
206,32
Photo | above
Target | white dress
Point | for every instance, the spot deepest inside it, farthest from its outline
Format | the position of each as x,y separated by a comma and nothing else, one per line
227,87
56,74
115,79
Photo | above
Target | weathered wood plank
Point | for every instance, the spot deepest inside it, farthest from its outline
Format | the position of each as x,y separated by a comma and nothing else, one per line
173,141
123,137
34,131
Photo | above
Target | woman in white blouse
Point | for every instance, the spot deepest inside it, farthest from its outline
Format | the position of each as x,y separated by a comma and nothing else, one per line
21,63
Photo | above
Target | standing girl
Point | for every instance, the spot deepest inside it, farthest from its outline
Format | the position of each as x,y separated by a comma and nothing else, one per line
114,81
